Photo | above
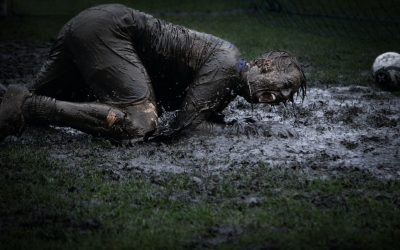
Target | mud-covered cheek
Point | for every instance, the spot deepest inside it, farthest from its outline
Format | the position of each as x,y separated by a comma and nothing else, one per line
286,92
253,74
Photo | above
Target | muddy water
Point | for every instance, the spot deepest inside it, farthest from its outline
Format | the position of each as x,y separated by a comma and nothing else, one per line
334,131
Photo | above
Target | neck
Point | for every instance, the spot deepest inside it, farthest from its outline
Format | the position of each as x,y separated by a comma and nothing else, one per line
243,88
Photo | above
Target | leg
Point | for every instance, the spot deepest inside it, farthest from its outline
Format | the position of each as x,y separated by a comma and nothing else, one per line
11,117
111,69
114,72
59,77
132,121
108,62
20,107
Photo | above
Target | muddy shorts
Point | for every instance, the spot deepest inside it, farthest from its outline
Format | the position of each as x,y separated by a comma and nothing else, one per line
93,58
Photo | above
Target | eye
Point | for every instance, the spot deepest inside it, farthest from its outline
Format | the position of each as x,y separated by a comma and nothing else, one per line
268,63
264,70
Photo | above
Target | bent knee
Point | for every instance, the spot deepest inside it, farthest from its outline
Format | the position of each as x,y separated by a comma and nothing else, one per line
142,118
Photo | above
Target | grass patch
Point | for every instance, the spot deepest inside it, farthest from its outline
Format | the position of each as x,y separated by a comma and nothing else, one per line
49,205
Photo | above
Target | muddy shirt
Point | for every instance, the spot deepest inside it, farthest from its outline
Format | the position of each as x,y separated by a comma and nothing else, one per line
126,56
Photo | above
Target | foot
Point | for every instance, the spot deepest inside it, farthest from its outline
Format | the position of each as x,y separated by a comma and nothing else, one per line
11,118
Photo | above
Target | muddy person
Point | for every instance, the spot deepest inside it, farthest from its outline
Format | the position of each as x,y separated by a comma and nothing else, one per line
113,70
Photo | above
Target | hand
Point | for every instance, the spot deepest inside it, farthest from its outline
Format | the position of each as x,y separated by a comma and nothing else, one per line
164,134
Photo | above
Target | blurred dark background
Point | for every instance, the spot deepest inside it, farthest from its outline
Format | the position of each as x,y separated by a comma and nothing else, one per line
375,18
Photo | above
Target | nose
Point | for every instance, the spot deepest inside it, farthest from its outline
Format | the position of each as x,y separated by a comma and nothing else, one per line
286,93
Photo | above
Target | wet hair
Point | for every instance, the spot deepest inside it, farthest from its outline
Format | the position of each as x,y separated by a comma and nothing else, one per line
282,61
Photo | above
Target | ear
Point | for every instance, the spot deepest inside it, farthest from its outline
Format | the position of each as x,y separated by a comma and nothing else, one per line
247,67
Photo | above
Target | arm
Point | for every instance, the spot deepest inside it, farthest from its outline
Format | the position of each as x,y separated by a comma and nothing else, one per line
211,91
202,100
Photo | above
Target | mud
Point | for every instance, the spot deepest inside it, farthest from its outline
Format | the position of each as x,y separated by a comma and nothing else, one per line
336,130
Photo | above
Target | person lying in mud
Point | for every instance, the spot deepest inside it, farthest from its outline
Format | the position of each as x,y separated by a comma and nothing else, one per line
113,70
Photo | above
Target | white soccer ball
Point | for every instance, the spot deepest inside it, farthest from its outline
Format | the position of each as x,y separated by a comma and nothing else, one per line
386,70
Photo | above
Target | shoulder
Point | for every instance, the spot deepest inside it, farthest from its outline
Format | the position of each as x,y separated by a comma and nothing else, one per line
222,57
229,56
217,45
231,53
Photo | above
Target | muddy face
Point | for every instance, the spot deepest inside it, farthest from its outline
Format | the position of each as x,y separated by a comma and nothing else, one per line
275,79
272,87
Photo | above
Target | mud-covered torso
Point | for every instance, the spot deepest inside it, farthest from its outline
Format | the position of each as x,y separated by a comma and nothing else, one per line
175,58
173,55
170,51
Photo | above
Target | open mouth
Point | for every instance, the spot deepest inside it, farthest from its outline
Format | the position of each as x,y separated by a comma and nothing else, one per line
268,97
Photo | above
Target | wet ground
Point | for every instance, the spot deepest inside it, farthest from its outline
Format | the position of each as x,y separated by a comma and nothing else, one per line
333,131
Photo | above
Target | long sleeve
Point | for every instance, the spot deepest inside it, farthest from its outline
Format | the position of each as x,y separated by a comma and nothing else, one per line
213,89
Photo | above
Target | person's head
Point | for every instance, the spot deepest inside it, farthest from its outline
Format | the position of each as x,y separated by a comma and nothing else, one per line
273,78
